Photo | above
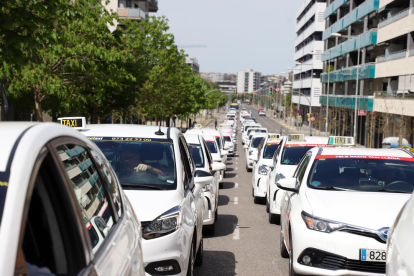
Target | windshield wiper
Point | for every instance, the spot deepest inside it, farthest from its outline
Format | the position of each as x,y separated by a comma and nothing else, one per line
130,185
289,163
330,188
391,191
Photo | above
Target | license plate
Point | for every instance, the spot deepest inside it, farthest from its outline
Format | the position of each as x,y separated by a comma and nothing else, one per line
372,255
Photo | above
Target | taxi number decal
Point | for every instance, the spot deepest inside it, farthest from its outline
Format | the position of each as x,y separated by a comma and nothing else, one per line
365,157
274,136
5,184
295,137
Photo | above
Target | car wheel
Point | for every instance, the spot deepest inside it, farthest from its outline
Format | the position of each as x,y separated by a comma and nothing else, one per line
190,269
209,229
221,185
267,205
274,218
252,192
216,215
257,200
283,250
249,170
200,253
291,270
224,174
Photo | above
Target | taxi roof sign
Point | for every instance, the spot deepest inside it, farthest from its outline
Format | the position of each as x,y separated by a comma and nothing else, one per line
273,136
73,122
198,126
341,141
296,137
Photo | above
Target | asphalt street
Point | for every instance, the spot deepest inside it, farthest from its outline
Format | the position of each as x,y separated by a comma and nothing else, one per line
244,242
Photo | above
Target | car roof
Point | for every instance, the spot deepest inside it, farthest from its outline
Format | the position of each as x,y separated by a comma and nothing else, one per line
9,133
128,130
311,140
209,138
395,152
259,135
192,138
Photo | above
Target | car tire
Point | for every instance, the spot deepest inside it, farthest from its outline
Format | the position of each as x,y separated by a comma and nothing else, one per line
209,229
274,218
249,170
257,200
291,270
216,215
283,250
221,185
267,205
200,254
190,269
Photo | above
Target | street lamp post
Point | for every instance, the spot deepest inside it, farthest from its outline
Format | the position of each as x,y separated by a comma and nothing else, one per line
356,90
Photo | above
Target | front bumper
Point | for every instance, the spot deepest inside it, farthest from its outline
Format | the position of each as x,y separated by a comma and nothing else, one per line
260,187
175,246
209,208
336,253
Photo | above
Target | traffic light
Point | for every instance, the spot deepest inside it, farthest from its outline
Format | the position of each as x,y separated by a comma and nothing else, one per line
270,90
235,90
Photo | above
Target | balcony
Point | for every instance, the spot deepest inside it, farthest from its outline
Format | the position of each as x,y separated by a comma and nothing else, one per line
153,5
367,7
392,56
132,13
394,18
364,102
366,71
368,38
333,7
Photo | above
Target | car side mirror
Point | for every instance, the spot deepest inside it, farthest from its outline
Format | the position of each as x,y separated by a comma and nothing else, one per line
203,178
224,152
218,167
287,184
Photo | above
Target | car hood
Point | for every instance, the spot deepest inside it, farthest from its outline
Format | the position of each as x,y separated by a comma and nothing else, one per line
148,205
372,210
287,170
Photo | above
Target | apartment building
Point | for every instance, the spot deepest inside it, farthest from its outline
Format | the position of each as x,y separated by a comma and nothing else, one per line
193,63
368,61
136,10
248,81
215,77
307,55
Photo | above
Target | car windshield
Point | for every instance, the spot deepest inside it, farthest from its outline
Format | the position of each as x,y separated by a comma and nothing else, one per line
227,139
293,155
197,154
246,127
269,151
255,142
145,163
250,130
212,146
363,174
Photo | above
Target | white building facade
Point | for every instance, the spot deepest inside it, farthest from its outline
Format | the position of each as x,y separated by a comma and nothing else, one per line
309,27
248,81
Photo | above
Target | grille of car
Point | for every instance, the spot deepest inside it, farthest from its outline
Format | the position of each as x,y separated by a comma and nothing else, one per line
337,262
365,234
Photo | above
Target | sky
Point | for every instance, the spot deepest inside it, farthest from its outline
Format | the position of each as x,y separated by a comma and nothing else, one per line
239,34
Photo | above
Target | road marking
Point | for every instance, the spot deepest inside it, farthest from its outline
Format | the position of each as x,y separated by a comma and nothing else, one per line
236,163
236,200
237,175
236,233
237,168
236,185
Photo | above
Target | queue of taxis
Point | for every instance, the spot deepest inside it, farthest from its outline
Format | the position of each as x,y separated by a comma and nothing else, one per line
337,209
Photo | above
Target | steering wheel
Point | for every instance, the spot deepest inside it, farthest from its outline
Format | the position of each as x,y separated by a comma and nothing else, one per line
399,184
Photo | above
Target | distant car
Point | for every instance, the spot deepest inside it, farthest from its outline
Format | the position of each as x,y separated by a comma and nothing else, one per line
262,113
258,111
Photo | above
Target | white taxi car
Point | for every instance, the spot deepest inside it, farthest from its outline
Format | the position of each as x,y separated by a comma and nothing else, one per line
338,207
251,150
204,163
214,150
228,141
285,160
159,177
253,132
262,113
62,209
245,130
400,257
261,168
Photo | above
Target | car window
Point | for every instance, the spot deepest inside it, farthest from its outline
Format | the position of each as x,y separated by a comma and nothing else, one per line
212,146
185,165
269,150
140,163
196,152
189,156
218,139
50,240
209,158
110,178
293,155
300,172
256,141
89,190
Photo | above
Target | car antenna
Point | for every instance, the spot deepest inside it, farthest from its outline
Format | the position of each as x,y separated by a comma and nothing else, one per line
159,132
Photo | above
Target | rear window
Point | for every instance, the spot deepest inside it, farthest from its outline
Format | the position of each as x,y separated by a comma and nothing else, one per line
227,139
212,146
293,155
218,139
256,141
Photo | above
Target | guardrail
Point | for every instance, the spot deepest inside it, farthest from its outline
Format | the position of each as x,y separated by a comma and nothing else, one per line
392,56
394,18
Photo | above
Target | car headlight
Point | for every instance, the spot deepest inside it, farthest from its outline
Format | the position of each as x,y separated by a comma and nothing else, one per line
263,170
163,225
321,225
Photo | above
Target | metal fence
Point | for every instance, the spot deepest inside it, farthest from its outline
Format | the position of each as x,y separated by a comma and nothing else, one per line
392,56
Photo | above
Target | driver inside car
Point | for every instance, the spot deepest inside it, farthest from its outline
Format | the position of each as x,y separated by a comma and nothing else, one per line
132,162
